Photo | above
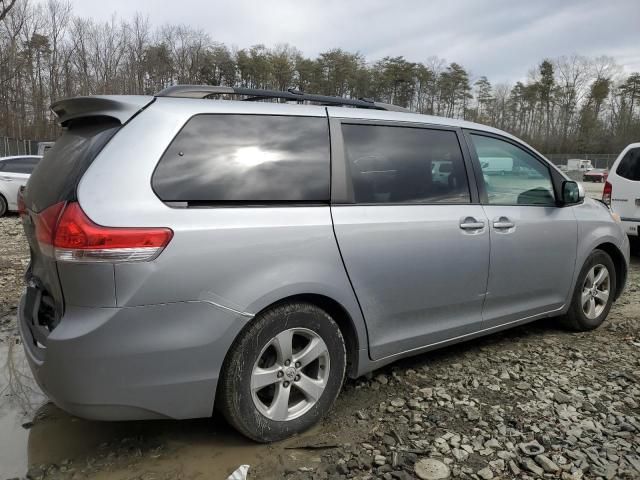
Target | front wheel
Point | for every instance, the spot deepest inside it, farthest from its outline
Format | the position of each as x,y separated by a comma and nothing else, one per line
283,373
594,293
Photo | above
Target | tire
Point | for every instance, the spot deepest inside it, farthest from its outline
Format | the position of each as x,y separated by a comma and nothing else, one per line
580,316
260,351
4,208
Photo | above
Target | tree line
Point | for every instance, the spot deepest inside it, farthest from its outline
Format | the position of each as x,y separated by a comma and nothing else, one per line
566,104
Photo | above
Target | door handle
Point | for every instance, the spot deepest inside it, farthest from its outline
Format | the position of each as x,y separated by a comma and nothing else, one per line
6,179
503,223
470,223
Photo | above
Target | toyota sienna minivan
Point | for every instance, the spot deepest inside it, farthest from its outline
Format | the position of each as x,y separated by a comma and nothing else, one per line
192,252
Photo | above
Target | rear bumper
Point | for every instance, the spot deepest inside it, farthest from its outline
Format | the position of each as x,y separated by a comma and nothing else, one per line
156,361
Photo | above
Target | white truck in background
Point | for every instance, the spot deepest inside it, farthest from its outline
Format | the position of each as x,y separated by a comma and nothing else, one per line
496,165
574,164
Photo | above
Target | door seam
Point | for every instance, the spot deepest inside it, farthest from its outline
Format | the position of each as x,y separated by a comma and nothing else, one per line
346,271
486,285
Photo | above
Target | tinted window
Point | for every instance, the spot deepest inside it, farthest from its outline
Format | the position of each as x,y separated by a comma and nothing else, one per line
20,165
512,176
629,166
57,175
224,158
405,165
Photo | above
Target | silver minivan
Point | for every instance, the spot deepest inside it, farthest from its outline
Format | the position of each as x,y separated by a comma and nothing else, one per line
189,251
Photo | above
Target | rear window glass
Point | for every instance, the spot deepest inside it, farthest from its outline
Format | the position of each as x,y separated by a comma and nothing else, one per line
246,158
57,175
629,167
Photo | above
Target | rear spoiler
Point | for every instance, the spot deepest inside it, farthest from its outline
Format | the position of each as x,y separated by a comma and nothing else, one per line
118,107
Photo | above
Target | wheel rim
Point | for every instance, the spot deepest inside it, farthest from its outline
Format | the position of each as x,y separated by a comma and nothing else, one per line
290,374
595,291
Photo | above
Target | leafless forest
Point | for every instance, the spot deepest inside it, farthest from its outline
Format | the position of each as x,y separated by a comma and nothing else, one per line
569,103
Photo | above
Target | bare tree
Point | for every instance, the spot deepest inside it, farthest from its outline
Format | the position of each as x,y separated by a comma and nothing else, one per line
5,7
47,52
59,16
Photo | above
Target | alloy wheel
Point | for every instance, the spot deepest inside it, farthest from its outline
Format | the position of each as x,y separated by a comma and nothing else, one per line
290,374
595,291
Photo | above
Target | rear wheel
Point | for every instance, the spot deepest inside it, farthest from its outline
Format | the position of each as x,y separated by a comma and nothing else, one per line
3,206
593,294
283,373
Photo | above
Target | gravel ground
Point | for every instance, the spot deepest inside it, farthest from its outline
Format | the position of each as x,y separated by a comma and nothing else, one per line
14,259
532,402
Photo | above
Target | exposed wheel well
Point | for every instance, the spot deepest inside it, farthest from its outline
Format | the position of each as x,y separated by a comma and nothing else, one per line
339,315
618,262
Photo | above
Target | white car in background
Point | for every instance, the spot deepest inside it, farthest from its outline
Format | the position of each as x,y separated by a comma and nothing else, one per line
441,170
14,173
622,189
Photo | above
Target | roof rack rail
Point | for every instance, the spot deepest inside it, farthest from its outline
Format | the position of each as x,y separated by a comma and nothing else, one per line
253,94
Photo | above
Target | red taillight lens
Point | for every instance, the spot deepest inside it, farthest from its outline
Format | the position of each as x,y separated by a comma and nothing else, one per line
45,225
75,238
606,193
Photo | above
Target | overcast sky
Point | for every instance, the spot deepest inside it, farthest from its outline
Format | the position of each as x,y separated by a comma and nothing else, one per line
502,39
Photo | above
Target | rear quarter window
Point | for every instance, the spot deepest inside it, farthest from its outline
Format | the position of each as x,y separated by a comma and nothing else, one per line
246,158
629,166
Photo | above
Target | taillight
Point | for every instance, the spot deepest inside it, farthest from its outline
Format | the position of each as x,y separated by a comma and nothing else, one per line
65,232
606,193
45,226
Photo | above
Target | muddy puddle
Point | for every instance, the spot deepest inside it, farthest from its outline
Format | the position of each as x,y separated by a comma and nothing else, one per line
35,434
20,399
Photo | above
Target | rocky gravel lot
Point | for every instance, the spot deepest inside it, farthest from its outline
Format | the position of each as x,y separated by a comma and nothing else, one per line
14,259
532,402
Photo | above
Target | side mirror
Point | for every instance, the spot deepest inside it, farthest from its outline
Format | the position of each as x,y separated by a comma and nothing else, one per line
572,192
